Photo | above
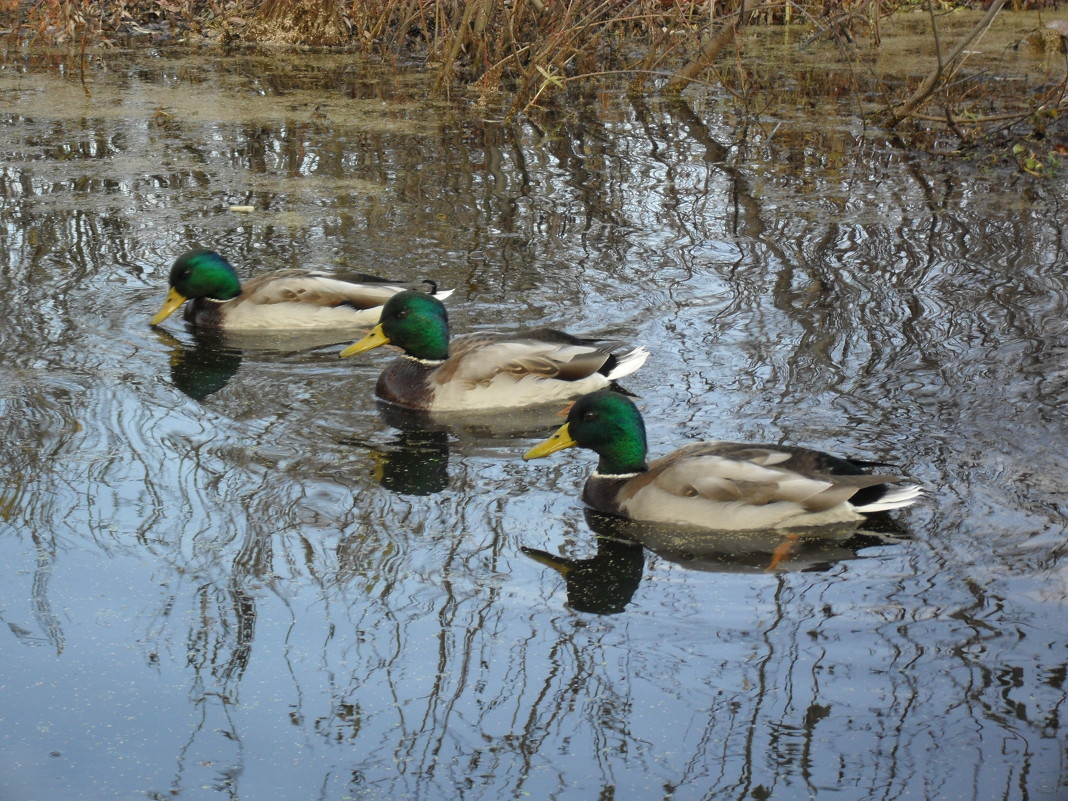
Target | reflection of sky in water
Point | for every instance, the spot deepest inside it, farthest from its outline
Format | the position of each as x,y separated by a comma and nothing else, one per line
225,568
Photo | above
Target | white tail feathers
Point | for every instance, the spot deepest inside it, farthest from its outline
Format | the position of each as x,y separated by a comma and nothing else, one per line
895,498
441,294
627,363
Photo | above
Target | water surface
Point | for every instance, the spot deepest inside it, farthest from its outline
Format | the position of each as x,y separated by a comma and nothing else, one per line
228,573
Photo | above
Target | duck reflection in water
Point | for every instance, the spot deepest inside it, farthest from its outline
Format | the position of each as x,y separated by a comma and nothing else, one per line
416,461
203,366
606,582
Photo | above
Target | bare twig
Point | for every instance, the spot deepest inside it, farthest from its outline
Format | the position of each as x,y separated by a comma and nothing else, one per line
1017,115
81,61
712,46
906,109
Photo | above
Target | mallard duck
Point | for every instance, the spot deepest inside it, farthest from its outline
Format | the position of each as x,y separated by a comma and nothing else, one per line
725,486
485,370
282,300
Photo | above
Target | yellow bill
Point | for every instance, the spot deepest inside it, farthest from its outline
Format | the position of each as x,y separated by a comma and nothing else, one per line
557,442
374,339
170,305
380,461
557,563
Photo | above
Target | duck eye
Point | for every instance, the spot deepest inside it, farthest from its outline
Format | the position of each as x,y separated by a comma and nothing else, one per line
402,314
589,416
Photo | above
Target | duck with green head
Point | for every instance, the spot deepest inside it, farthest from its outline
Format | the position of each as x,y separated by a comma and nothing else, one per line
281,300
724,486
486,370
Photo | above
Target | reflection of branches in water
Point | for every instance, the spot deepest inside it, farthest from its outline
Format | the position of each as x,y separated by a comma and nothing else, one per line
220,639
217,649
36,484
444,674
47,621
226,775
781,754
1026,698
42,605
860,300
585,196
447,706
801,679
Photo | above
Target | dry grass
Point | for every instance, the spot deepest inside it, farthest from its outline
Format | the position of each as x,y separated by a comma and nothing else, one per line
528,48
524,52
103,22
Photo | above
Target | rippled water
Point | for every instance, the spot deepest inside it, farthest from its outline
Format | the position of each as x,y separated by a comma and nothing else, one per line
226,572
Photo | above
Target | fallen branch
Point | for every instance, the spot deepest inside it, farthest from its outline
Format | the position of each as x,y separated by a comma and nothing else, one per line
906,109
712,46
1017,115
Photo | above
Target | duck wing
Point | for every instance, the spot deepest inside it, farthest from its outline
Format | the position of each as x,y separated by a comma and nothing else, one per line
541,352
757,475
327,289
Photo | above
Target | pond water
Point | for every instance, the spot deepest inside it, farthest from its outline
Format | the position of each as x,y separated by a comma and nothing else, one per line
227,573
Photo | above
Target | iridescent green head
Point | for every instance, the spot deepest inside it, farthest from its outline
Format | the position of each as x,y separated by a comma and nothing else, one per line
413,321
198,274
204,274
605,422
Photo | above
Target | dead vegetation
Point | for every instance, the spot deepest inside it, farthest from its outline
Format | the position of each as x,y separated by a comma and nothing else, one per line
527,53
